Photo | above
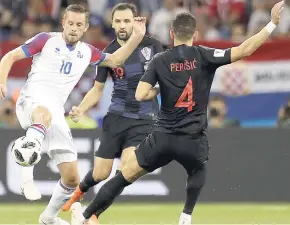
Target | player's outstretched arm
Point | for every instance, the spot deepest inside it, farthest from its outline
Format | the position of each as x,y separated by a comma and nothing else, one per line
122,54
5,66
90,99
249,46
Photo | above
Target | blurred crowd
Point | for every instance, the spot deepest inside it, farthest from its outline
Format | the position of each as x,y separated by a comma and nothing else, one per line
217,19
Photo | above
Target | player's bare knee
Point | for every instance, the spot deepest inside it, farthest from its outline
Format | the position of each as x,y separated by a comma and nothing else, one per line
132,171
72,180
102,168
127,152
42,115
101,173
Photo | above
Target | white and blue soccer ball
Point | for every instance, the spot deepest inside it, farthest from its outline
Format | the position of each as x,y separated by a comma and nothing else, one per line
26,151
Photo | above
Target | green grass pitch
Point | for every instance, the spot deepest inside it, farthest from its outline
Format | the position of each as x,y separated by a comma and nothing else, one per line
143,213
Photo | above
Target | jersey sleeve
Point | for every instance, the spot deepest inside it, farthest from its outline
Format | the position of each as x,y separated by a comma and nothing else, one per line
97,56
150,75
215,57
101,74
35,44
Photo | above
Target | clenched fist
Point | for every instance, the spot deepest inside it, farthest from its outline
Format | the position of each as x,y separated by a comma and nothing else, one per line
76,113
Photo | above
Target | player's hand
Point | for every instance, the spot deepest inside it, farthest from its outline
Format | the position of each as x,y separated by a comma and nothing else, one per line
276,12
75,114
140,26
3,91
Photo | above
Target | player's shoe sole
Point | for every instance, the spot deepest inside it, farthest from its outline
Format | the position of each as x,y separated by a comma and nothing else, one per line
47,221
77,196
30,191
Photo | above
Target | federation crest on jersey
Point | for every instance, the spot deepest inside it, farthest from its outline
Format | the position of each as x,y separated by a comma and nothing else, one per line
146,52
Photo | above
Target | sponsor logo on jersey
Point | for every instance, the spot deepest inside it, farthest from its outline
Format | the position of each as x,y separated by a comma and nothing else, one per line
219,53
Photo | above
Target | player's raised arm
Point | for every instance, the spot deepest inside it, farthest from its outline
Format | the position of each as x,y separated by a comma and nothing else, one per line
249,46
120,56
30,48
145,89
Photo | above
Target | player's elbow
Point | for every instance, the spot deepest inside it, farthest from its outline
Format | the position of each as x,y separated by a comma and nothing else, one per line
240,52
11,56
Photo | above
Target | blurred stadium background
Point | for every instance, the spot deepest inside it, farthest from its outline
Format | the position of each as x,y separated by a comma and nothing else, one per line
249,113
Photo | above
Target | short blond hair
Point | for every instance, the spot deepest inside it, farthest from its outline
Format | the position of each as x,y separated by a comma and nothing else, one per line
77,9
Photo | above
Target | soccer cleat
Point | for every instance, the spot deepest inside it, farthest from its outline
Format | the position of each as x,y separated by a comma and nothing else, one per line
30,191
77,195
43,220
77,217
184,219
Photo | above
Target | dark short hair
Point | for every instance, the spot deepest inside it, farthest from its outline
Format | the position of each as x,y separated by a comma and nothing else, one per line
124,6
184,26
78,9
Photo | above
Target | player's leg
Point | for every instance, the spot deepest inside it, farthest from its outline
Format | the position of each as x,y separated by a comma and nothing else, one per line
68,169
136,132
36,120
130,133
194,185
40,122
109,191
147,157
99,176
109,148
101,171
193,156
126,153
63,153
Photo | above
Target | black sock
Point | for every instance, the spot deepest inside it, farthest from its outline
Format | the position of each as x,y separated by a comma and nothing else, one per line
88,181
195,183
99,212
106,195
191,199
